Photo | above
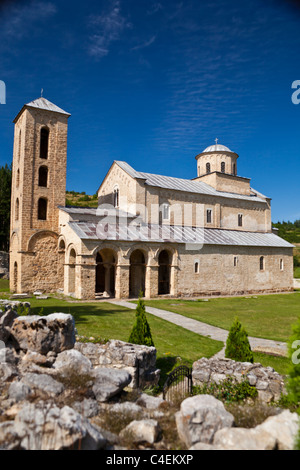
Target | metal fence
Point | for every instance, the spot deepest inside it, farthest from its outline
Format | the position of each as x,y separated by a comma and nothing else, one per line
178,384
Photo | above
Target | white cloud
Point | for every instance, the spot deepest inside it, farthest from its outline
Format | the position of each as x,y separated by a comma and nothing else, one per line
17,20
144,44
108,28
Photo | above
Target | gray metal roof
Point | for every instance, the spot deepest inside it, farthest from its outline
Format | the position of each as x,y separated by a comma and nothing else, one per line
175,234
42,103
101,211
180,184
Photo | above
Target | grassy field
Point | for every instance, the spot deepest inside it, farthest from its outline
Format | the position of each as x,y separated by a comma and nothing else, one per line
264,316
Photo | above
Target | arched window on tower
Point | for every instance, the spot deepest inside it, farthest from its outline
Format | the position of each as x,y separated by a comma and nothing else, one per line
17,208
19,145
18,178
207,168
223,167
234,169
44,143
43,176
42,209
262,263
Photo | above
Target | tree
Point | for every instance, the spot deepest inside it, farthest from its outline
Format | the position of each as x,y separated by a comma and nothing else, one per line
141,333
237,345
5,196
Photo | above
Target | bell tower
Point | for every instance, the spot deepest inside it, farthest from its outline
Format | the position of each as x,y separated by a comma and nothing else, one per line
38,188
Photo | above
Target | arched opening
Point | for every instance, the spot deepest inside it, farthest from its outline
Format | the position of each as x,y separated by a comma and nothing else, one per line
116,197
261,263
72,274
207,168
61,263
137,273
105,273
164,273
42,209
19,145
223,167
44,143
18,179
43,176
234,169
15,283
17,208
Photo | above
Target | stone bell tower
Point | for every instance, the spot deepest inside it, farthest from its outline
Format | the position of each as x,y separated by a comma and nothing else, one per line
38,188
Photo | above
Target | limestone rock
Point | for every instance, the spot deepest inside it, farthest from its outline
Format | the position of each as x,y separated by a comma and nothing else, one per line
6,320
283,427
145,430
200,417
44,426
44,383
55,332
109,382
19,391
244,439
72,361
149,402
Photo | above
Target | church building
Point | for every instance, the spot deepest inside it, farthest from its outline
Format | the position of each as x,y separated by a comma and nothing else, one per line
164,236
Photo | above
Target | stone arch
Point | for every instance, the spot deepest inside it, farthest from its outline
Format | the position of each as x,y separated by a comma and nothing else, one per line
173,252
106,262
115,248
72,260
164,272
137,272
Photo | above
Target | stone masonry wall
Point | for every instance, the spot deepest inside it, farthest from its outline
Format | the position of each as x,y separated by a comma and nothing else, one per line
4,265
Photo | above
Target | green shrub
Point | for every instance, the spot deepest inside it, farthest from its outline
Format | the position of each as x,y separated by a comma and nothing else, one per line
228,390
293,382
141,333
237,345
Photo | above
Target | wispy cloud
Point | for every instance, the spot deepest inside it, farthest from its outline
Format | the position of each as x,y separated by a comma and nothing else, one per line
17,20
108,27
154,8
145,44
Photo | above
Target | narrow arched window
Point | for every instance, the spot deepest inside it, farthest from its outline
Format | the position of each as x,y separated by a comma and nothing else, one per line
261,263
42,209
19,145
223,167
196,267
234,169
43,176
207,167
116,197
240,220
44,143
18,178
17,208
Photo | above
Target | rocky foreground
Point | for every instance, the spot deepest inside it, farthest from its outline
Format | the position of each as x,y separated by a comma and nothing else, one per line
57,393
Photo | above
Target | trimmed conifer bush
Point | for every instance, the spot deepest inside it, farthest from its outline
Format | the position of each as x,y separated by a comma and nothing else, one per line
237,345
141,333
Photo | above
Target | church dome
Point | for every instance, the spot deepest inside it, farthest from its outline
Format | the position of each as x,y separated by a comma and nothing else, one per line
217,148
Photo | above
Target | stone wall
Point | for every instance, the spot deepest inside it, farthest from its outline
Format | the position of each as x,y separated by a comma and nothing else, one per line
268,383
4,265
139,361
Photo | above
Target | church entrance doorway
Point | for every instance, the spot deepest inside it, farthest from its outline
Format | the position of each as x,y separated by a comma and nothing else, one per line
137,273
164,273
105,273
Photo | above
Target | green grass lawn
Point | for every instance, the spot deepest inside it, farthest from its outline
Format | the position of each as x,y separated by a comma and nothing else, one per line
107,321
264,316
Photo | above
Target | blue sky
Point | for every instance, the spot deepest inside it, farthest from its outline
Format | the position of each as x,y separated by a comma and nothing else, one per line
154,82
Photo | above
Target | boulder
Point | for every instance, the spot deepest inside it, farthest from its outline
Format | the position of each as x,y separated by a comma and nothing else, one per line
7,318
72,362
200,417
55,332
145,430
19,391
109,382
44,426
43,383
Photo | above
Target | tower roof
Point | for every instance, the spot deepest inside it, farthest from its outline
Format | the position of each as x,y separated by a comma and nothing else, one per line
217,148
42,103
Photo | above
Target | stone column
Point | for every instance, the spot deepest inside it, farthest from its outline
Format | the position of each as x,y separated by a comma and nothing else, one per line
122,281
151,281
173,280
